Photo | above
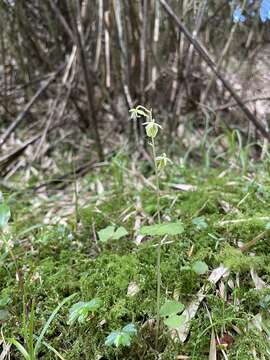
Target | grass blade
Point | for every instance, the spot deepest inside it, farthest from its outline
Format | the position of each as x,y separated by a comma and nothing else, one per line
20,348
48,323
48,346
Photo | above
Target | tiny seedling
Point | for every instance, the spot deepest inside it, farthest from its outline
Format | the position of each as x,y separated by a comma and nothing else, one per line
200,223
121,337
169,312
112,233
81,310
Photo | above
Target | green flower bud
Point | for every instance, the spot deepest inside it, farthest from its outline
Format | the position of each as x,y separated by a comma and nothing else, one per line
162,161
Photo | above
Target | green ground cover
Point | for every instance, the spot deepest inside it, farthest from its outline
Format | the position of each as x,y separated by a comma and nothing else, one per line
221,212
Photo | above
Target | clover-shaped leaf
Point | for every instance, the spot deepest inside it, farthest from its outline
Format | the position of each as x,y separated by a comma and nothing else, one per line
173,228
112,233
171,307
121,337
169,311
80,311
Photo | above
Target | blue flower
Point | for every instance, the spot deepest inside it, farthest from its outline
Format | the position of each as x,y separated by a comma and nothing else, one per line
265,10
238,16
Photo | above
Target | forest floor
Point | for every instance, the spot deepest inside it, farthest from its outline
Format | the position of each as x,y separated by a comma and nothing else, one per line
54,248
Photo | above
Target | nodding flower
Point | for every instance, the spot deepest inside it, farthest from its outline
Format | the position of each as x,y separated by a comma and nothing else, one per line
151,128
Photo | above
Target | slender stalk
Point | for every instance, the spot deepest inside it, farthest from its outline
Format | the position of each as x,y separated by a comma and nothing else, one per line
159,244
152,128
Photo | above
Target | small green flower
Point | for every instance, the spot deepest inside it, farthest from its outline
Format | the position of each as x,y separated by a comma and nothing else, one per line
151,128
139,111
133,114
162,161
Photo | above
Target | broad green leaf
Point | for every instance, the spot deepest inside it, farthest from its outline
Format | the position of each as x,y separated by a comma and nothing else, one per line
119,233
174,321
81,310
110,233
171,307
173,228
106,234
130,329
200,267
200,223
4,215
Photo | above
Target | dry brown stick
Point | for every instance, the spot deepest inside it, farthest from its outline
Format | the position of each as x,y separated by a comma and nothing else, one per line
155,42
203,54
61,109
233,104
63,21
28,106
9,158
87,79
189,61
143,19
119,12
99,36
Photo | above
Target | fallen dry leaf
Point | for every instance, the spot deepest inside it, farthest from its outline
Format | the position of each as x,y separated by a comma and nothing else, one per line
133,289
184,187
213,347
182,332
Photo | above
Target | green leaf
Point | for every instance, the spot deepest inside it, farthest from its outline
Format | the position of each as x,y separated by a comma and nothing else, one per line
106,234
109,233
174,321
200,267
110,339
4,215
20,348
119,233
200,223
122,339
171,307
130,329
173,228
5,300
118,338
49,321
81,310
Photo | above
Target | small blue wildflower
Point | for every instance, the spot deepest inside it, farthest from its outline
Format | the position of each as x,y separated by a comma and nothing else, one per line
265,10
238,16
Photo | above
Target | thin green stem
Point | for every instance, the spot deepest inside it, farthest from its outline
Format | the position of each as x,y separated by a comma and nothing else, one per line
159,244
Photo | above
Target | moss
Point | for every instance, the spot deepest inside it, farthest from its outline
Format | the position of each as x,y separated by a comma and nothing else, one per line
236,261
57,262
